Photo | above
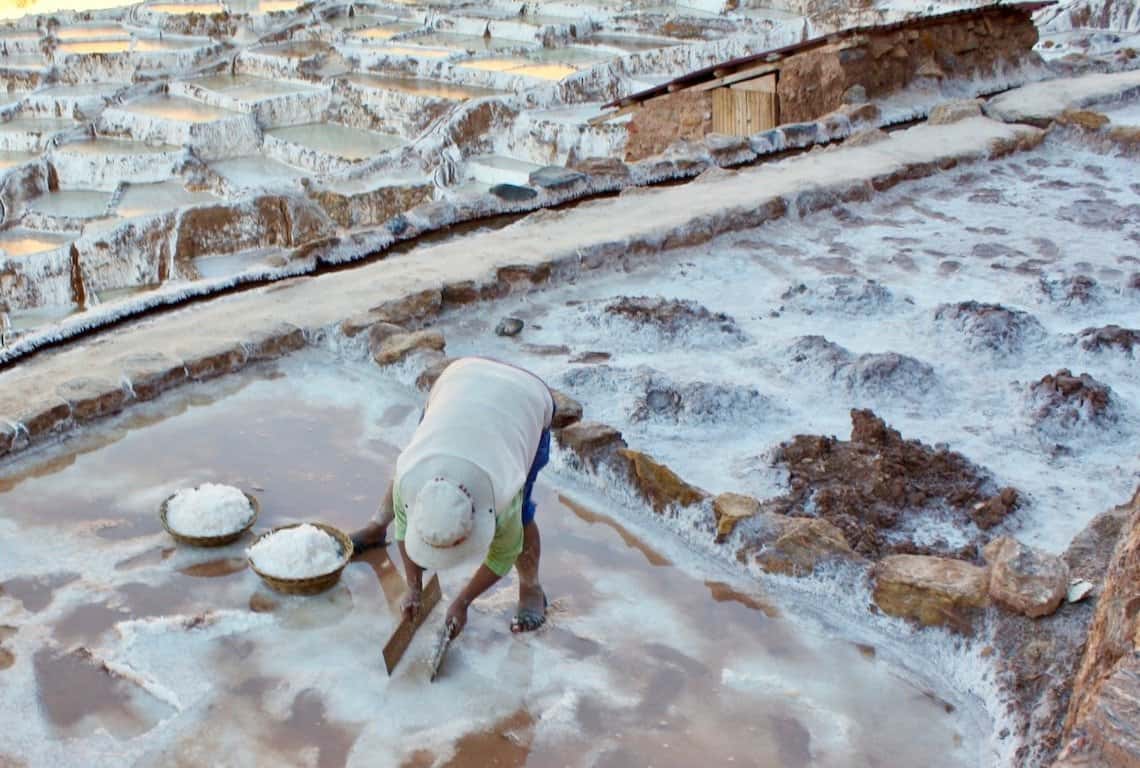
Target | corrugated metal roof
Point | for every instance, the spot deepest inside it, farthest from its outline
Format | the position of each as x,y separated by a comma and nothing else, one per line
727,67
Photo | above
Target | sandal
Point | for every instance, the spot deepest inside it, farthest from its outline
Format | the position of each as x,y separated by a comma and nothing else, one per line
527,620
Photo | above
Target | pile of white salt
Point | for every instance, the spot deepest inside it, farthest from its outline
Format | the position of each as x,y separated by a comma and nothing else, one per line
296,553
208,510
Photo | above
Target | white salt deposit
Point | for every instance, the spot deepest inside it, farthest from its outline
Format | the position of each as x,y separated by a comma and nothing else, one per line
296,553
208,510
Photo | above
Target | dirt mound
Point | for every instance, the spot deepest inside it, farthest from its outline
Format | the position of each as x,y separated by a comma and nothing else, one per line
670,317
877,485
839,294
1064,402
1078,290
991,327
1109,337
1099,214
667,400
648,395
870,375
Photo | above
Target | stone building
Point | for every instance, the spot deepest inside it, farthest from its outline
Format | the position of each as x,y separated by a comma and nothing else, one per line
812,78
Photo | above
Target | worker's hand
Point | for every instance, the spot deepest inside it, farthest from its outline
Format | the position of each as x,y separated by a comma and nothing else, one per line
457,617
411,604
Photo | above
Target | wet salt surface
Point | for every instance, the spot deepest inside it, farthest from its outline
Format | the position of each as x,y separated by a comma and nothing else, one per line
1025,233
126,649
1127,113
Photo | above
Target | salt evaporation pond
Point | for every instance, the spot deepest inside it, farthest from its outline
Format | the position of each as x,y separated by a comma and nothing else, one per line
125,649
816,308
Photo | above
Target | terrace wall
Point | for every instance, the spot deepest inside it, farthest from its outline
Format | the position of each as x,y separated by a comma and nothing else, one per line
813,82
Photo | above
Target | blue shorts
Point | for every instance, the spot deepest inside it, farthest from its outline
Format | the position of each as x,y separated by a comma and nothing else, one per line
541,457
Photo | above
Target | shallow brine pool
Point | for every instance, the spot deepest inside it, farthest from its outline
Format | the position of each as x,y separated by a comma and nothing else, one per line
121,648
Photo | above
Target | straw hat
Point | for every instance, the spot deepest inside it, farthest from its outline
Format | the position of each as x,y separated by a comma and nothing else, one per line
450,508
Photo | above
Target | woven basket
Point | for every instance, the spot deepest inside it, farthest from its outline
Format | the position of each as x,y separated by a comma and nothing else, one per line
209,541
314,584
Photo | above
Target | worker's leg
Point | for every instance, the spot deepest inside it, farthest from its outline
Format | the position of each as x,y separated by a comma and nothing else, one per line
375,534
531,612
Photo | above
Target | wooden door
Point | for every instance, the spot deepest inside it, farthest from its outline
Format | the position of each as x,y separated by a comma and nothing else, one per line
743,109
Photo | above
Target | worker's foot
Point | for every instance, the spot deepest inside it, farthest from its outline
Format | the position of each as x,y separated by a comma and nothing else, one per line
532,610
369,537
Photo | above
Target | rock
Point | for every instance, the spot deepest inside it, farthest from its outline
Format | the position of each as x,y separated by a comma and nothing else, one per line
1108,337
1083,119
7,437
866,137
275,342
524,275
216,360
567,410
800,135
149,374
660,486
513,193
877,483
955,111
590,358
378,333
1025,580
92,398
1064,401
729,509
415,307
461,293
427,378
934,591
361,321
862,115
729,150
1109,723
604,170
434,215
1078,590
509,326
991,512
399,346
595,444
398,225
802,544
767,142
856,94
41,416
556,177
545,350
1106,689
930,69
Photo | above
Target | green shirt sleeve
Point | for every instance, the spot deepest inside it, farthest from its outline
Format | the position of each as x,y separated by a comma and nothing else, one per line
508,541
398,510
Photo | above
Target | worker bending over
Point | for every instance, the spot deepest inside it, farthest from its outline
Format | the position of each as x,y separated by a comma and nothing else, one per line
462,489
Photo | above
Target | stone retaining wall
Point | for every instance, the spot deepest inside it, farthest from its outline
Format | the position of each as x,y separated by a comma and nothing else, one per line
816,81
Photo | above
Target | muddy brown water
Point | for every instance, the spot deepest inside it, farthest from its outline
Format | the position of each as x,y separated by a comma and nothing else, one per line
645,663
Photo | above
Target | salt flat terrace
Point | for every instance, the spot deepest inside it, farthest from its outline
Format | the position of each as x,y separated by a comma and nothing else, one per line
939,305
172,655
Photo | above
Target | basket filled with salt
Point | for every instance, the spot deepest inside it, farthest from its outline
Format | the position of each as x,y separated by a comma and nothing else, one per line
208,515
300,559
